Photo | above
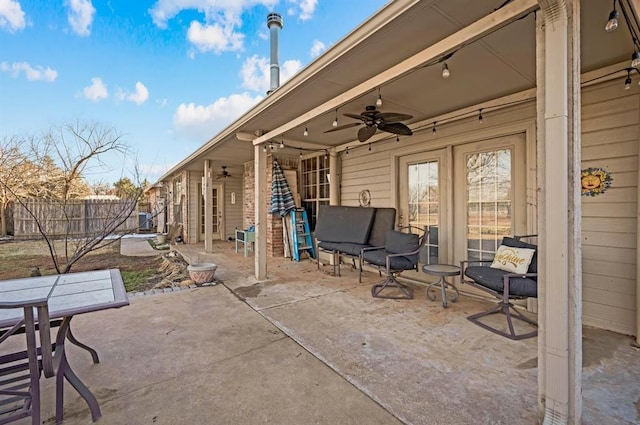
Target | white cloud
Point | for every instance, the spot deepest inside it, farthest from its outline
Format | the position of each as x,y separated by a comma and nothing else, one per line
222,19
96,91
201,122
162,102
214,37
38,73
307,8
80,16
256,73
11,15
141,94
317,48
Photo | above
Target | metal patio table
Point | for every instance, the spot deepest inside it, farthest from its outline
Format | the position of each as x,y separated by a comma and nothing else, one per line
68,295
442,271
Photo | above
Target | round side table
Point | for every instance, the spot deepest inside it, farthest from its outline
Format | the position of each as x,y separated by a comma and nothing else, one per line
442,271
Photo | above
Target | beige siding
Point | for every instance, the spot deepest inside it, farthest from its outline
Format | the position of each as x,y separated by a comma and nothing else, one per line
193,232
609,227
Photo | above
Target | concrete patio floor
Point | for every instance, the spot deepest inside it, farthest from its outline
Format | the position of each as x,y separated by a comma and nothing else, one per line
306,347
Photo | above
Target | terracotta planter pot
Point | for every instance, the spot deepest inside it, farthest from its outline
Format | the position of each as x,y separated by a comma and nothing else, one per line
202,272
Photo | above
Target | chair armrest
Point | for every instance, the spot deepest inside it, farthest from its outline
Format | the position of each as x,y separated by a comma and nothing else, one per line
506,279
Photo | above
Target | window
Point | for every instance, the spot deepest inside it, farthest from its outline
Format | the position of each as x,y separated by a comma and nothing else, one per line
315,186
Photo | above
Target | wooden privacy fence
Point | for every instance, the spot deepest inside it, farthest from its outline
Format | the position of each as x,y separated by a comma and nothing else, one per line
75,218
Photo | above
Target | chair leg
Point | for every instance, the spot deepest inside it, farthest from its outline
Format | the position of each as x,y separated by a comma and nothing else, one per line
392,282
511,313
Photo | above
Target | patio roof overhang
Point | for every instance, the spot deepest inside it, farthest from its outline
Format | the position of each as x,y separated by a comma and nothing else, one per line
397,51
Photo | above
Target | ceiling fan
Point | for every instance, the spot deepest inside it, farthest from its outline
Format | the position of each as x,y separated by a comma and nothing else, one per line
224,174
375,120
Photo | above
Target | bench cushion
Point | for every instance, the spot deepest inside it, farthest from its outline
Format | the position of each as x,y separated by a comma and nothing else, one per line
493,279
383,221
379,258
352,249
344,224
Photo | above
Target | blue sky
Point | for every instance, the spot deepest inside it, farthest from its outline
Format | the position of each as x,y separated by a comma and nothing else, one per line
168,74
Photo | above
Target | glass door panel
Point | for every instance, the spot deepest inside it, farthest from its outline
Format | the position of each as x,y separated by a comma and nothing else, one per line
490,197
421,193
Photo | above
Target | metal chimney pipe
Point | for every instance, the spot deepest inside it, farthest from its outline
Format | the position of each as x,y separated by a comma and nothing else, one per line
274,22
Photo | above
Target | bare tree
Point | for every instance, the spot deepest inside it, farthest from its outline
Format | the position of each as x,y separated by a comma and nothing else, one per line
76,150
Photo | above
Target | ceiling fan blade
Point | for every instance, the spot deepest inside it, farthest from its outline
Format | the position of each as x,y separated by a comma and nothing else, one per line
354,116
391,117
342,127
366,132
395,128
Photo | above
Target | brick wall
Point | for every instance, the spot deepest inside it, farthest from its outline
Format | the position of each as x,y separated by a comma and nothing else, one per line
275,240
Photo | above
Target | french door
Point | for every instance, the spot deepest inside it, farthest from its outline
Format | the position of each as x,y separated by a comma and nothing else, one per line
217,212
423,192
489,195
471,194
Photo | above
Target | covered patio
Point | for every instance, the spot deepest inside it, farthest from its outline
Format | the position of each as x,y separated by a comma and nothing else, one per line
306,347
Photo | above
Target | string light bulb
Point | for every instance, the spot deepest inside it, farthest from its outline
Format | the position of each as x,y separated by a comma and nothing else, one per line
281,143
379,100
612,23
306,131
299,149
480,116
346,151
335,121
434,128
326,153
635,59
397,139
627,82
264,148
445,70
369,147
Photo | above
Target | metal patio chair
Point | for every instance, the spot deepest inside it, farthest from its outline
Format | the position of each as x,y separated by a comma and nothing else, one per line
506,286
20,371
401,252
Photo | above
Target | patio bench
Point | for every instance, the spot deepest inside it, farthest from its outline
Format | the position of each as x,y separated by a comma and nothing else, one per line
344,231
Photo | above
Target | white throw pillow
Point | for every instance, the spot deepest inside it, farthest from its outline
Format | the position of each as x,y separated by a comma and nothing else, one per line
514,260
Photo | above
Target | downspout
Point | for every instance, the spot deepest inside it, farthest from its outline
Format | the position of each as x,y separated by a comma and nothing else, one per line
560,345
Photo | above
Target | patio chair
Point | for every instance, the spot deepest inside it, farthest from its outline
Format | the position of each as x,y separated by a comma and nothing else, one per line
20,371
401,252
504,284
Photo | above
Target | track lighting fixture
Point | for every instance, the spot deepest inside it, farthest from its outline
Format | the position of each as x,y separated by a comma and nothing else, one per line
635,59
335,121
445,70
627,82
612,23
306,131
480,116
379,100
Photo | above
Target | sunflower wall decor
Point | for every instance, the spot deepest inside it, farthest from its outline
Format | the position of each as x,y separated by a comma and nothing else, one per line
595,181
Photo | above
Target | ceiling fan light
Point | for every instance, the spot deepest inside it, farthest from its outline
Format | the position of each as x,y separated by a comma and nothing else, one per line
445,70
612,23
635,60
